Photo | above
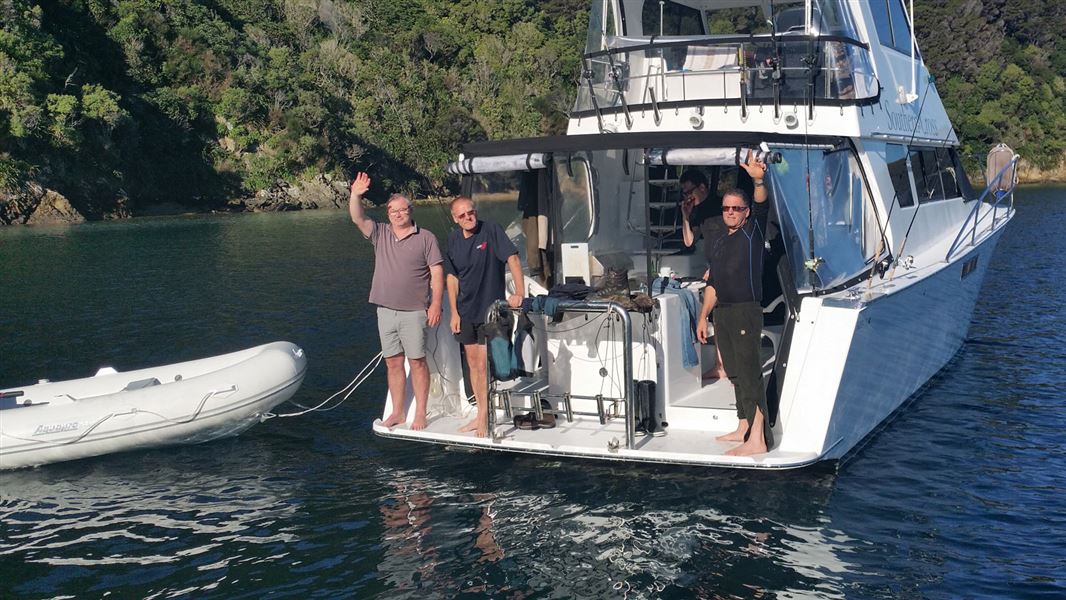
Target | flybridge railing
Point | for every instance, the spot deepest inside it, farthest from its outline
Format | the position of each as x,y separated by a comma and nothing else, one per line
666,72
1003,199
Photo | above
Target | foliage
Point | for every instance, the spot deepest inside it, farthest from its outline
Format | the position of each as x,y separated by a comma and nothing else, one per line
1001,70
201,101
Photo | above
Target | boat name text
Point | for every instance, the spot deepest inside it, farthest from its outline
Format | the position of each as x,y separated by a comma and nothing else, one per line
56,428
902,121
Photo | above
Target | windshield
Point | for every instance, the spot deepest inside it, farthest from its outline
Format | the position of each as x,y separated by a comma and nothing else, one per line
830,228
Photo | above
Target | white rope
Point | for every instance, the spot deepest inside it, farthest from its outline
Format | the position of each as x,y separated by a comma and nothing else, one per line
347,390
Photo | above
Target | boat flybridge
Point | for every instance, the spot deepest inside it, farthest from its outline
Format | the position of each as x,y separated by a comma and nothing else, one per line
876,247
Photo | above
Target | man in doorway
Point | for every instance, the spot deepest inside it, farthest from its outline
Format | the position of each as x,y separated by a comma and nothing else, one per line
476,256
408,288
734,286
702,217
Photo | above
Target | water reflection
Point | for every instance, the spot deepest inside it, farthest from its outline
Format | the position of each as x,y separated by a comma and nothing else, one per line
586,531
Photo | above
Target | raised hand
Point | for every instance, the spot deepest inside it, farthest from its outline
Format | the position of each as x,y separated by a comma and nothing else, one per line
756,168
360,185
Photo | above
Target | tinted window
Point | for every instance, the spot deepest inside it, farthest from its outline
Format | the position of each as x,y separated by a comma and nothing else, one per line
948,174
926,175
879,11
892,26
960,174
901,31
896,156
676,19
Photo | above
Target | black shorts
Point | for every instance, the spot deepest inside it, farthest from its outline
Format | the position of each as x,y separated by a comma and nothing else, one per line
470,333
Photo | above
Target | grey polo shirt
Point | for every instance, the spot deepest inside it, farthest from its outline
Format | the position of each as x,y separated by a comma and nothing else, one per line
401,267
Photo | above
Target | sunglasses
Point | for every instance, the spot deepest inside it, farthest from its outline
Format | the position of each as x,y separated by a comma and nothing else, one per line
726,208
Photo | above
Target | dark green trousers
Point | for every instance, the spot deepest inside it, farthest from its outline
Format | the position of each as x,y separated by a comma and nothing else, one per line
738,333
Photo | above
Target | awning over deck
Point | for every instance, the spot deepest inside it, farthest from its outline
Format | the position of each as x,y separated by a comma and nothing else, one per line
653,140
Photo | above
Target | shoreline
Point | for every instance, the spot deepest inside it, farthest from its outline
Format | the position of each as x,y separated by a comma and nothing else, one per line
237,207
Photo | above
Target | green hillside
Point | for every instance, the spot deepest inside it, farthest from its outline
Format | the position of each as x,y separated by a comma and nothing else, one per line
127,103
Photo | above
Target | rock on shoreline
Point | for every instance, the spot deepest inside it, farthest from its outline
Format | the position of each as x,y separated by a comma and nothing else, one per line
37,205
323,191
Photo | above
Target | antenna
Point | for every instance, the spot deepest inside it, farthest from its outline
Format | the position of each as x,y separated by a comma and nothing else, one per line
907,98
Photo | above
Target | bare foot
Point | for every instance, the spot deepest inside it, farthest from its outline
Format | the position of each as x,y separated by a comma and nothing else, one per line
394,420
483,431
736,435
471,426
419,423
752,446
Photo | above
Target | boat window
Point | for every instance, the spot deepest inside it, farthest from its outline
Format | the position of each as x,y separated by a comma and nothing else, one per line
670,18
892,27
947,173
496,196
896,157
736,21
881,18
927,183
831,228
602,26
832,17
574,179
960,175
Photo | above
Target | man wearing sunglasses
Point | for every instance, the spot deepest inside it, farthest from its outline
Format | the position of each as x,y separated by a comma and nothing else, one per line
702,217
408,288
476,258
734,287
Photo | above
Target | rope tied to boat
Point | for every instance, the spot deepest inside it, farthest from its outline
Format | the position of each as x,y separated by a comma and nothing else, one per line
347,390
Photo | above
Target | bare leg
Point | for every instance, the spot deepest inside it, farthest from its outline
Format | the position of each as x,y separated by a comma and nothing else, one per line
719,368
476,358
420,383
756,443
736,435
397,378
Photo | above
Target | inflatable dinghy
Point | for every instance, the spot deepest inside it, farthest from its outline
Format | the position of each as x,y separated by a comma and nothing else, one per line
183,403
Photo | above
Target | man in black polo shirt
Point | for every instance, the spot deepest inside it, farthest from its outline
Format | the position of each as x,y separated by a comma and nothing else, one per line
475,261
734,285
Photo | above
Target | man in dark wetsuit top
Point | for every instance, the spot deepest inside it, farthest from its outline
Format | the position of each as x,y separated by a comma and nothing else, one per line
734,286
476,257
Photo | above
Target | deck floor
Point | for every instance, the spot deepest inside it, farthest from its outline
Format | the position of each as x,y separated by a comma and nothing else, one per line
586,437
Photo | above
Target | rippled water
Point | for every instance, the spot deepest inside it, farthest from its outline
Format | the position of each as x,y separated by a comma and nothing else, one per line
961,496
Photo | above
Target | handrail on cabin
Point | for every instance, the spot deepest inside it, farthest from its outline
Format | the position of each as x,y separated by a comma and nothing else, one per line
975,211
608,80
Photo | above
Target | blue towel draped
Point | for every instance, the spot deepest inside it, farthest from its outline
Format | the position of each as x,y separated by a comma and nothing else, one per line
666,285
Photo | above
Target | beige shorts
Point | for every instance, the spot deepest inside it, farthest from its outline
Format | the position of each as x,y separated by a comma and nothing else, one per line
402,332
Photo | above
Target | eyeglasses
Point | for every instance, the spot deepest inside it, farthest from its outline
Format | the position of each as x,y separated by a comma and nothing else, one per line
399,211
727,208
470,213
688,193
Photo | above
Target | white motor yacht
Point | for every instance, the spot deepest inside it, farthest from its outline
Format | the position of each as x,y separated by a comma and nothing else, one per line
876,251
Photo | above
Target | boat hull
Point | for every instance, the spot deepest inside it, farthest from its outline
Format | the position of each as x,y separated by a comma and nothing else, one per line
861,361
183,403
